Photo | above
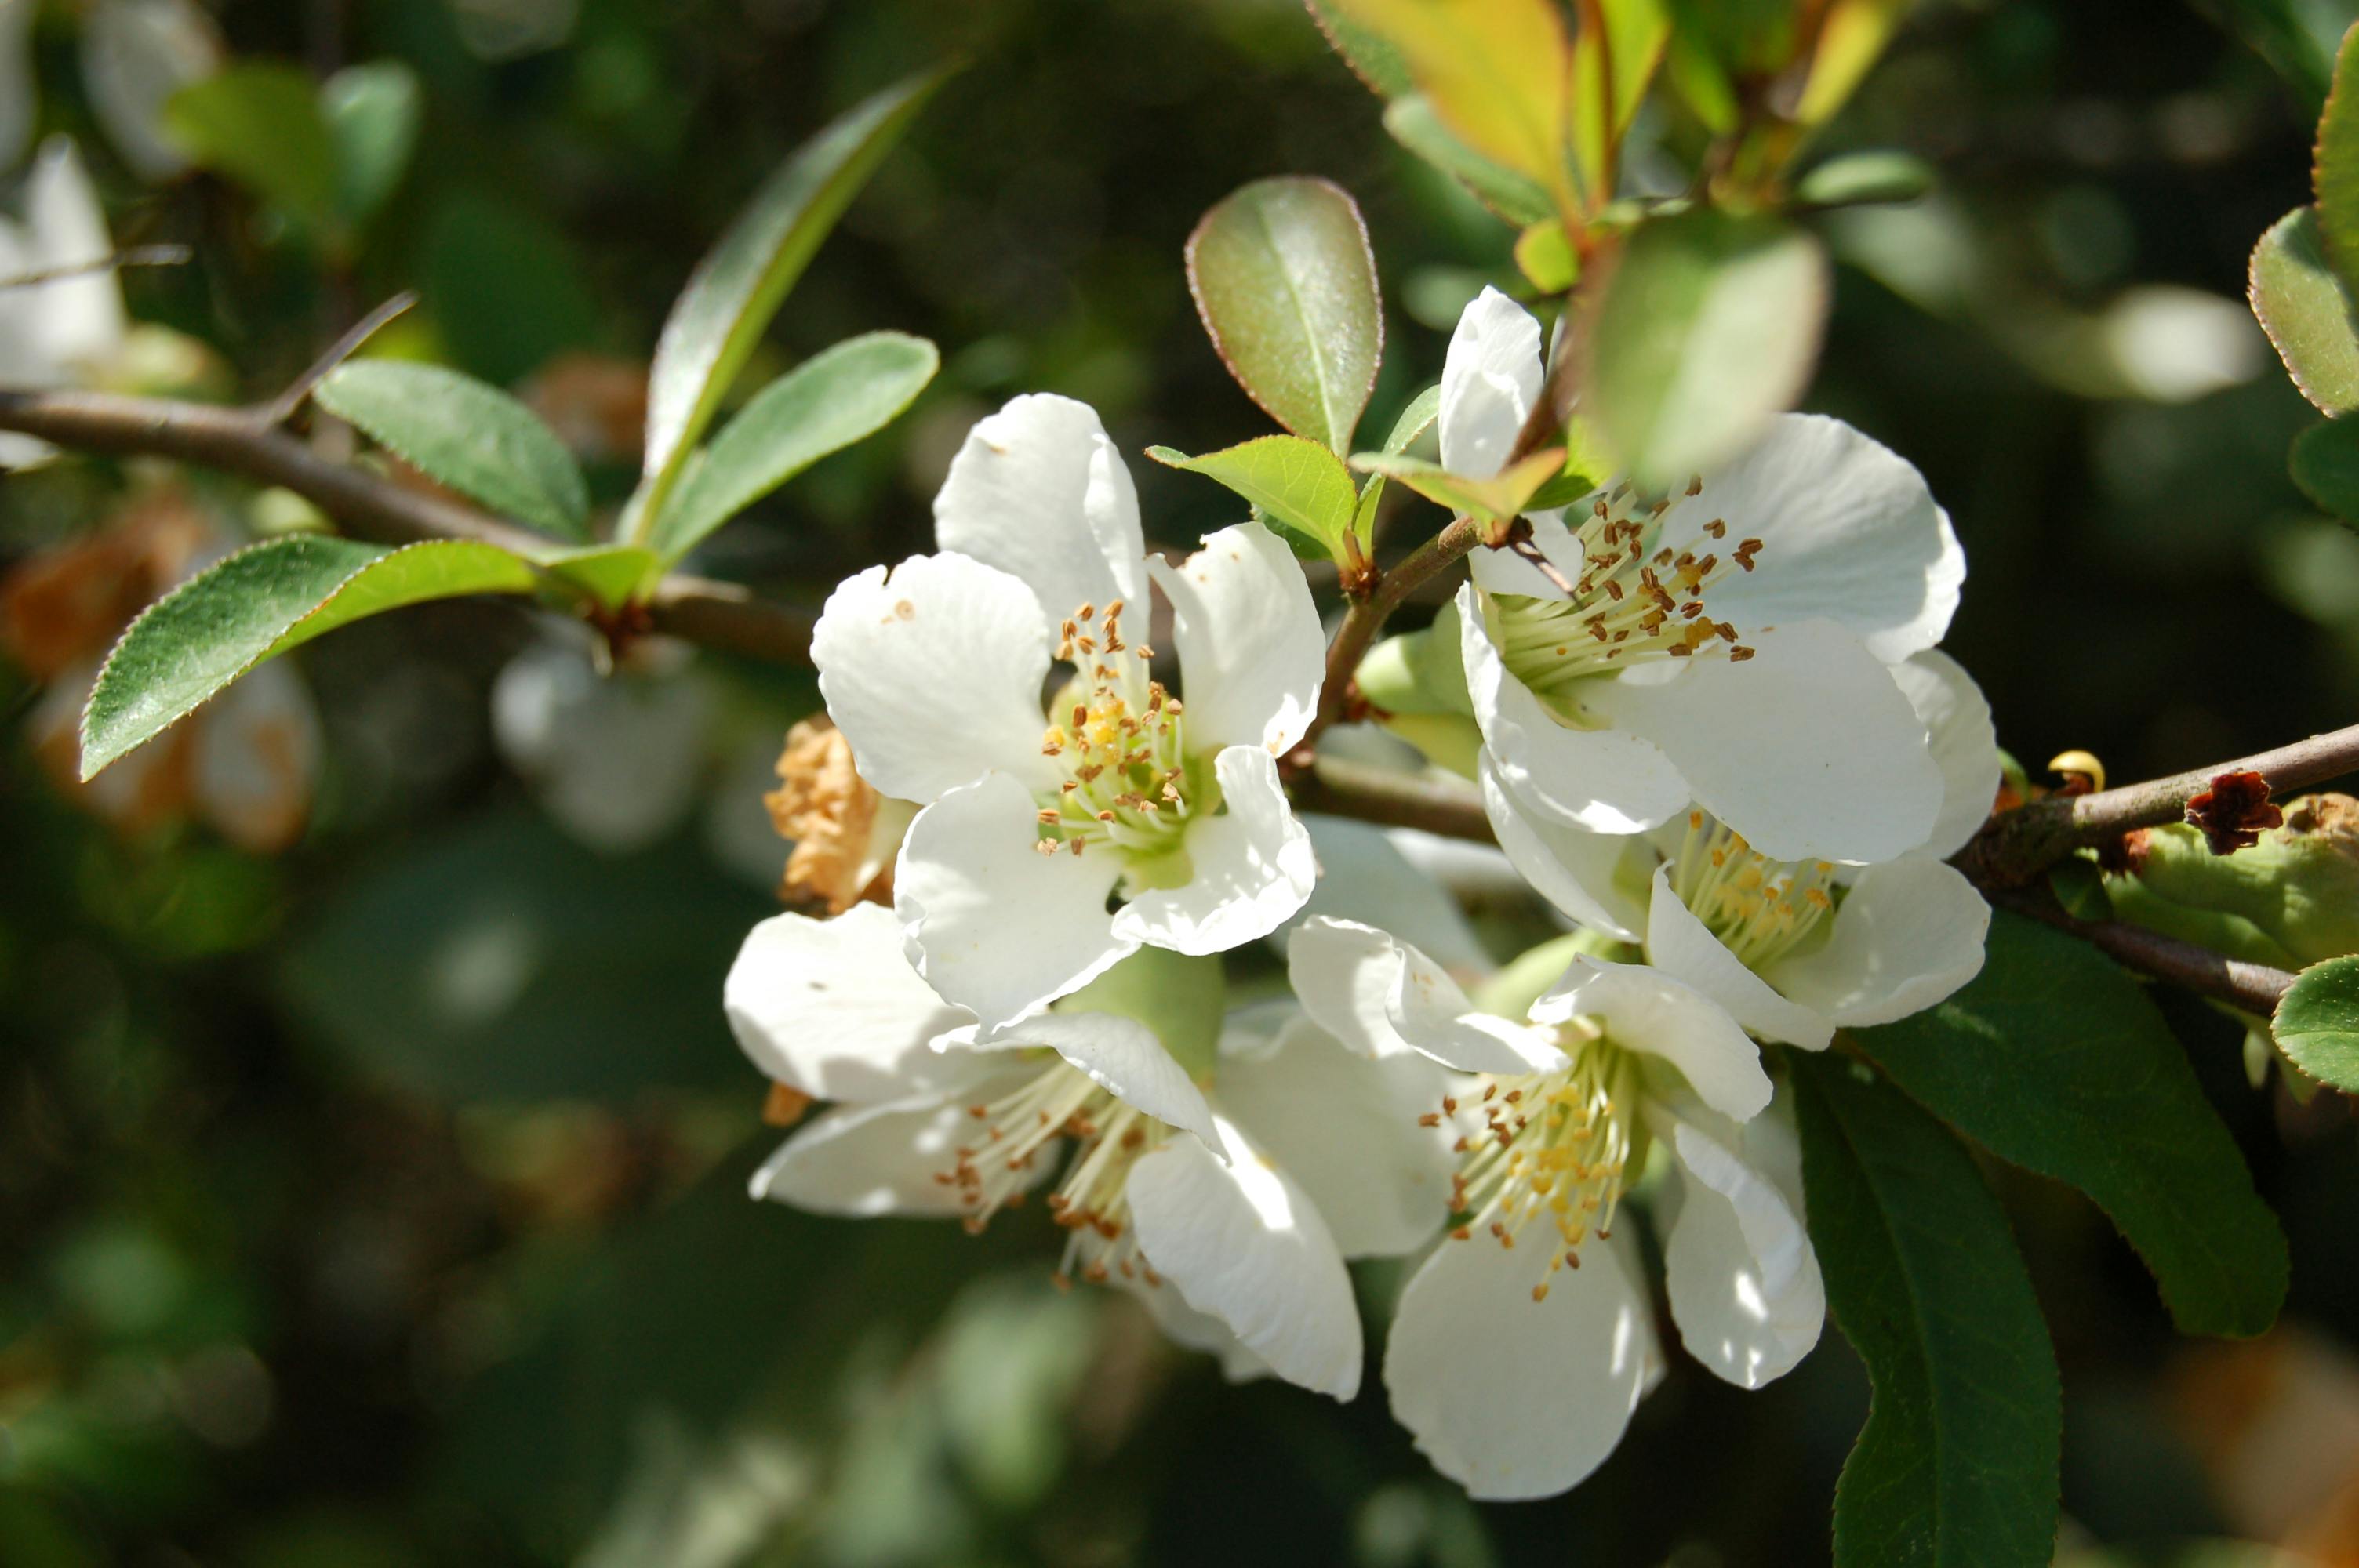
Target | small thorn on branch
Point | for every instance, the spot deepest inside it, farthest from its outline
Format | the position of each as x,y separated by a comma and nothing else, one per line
288,404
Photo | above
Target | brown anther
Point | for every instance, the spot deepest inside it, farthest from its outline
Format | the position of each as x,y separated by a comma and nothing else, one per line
1075,845
1086,612
1695,484
1717,527
1047,814
1430,1119
1739,654
785,1105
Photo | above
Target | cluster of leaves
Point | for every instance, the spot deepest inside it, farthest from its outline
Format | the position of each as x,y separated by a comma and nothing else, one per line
485,444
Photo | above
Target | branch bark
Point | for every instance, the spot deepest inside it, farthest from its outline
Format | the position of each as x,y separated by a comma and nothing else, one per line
369,505
2256,987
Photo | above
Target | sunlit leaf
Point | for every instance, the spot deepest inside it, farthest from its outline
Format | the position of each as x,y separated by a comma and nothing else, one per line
1498,73
2335,168
1298,483
609,575
2302,307
466,434
1545,257
1503,495
1612,64
1286,285
1512,196
260,602
1852,34
2317,1024
2055,1059
1708,327
824,404
1372,59
372,113
1416,420
738,286
1858,179
260,124
1957,1465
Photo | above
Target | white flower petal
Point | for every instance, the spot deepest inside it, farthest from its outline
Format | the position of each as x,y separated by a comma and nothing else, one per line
1964,742
1253,867
994,925
1490,380
1251,650
1346,1130
863,1160
1739,1269
1681,947
934,673
1040,492
1810,750
1503,571
832,1007
1645,1010
1193,1330
1364,875
1509,1396
1242,1241
134,55
1379,996
80,320
1608,781
1572,868
1849,533
1122,1056
1908,935
257,756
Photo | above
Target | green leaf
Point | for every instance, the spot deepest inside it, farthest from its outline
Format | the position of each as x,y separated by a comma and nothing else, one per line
1708,327
372,114
1503,495
1413,124
260,124
2317,1024
2056,1061
1587,467
831,400
505,287
466,434
1372,59
2298,39
609,575
1546,258
1957,1465
259,602
1854,180
1298,483
1286,285
741,283
2325,464
2302,307
1180,998
1415,420
2335,170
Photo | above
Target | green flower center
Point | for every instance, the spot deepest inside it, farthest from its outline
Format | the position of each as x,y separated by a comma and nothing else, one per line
1119,738
1760,909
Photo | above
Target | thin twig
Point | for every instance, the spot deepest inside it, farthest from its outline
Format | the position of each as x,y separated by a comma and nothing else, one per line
283,407
1343,788
2016,846
130,255
369,505
2256,987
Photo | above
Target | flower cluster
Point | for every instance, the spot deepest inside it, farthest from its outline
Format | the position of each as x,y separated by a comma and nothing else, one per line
1710,728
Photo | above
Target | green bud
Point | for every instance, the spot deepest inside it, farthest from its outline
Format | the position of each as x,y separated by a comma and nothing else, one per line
2291,900
1418,672
1180,998
1447,739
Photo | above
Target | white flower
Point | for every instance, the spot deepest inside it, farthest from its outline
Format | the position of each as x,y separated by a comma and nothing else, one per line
1793,949
65,332
1521,1347
1728,646
134,55
1229,1205
1032,822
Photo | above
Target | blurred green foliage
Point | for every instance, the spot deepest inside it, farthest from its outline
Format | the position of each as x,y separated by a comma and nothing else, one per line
382,1204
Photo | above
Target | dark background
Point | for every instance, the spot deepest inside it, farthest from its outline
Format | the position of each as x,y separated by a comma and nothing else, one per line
312,1255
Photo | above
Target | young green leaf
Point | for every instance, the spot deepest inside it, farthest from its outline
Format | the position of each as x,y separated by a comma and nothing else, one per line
1498,73
260,602
466,434
610,576
1957,1465
2317,1024
1877,175
260,124
1503,495
1546,258
1300,483
1414,420
1709,326
2303,309
740,284
839,395
371,117
2055,1060
1372,59
1519,200
1286,285
2335,168
1614,53
2325,464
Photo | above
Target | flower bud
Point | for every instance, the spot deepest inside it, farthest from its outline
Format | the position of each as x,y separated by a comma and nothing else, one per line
2290,900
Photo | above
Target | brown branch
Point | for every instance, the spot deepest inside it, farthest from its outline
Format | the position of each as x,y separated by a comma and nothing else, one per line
2016,846
2256,987
1343,788
368,505
1366,616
